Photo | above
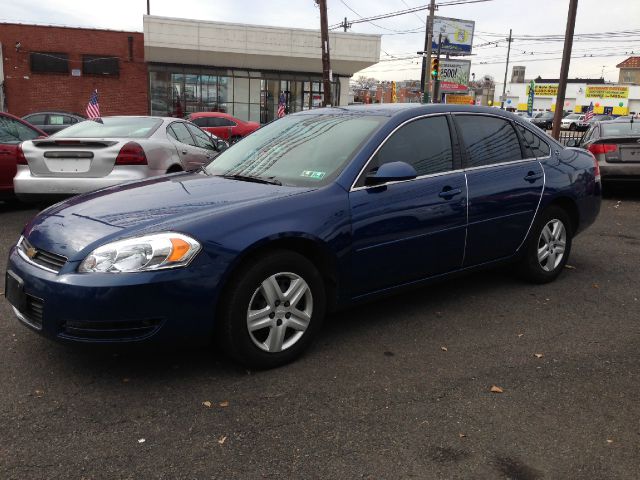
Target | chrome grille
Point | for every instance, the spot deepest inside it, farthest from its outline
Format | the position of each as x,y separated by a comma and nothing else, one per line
42,258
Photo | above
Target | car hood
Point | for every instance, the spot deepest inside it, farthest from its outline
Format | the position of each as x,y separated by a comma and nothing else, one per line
140,207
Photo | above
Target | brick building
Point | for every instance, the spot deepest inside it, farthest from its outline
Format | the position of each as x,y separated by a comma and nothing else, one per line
57,68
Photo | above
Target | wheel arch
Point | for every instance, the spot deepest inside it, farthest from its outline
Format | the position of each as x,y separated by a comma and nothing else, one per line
570,206
312,248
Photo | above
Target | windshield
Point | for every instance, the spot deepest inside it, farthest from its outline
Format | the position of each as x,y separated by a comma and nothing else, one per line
298,150
573,116
620,129
112,127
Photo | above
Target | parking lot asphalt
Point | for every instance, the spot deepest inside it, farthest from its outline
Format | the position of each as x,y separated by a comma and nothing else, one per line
398,388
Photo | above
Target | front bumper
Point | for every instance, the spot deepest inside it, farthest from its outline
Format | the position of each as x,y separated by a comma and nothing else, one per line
30,188
168,307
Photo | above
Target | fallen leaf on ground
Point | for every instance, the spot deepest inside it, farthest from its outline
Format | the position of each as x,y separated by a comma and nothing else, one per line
538,355
496,389
444,349
39,393
520,335
224,404
142,440
221,440
595,285
207,403
461,435
609,440
570,267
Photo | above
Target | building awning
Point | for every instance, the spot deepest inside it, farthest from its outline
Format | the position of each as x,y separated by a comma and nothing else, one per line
233,45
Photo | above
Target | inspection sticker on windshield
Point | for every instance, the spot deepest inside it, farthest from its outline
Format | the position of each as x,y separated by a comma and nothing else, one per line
313,174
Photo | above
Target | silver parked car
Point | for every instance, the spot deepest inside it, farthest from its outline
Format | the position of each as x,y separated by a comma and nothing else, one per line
616,146
100,153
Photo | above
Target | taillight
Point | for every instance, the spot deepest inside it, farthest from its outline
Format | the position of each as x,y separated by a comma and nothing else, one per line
597,148
596,168
20,158
131,154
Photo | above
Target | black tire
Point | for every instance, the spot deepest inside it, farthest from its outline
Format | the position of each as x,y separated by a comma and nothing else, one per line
530,268
232,332
573,127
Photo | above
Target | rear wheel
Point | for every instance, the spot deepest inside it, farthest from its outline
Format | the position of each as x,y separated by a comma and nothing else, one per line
573,127
234,139
548,246
272,310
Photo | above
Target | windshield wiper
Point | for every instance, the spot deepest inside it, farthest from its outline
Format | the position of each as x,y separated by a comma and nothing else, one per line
247,178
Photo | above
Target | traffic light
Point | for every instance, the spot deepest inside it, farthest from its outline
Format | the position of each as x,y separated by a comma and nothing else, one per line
435,67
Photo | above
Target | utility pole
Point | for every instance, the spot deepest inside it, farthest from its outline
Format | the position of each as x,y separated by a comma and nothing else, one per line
326,62
148,7
506,70
426,57
564,68
345,25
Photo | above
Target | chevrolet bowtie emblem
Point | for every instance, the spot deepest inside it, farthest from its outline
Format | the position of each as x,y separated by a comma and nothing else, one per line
31,252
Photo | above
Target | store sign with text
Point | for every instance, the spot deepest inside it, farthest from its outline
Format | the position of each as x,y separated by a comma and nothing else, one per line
606,91
544,90
454,75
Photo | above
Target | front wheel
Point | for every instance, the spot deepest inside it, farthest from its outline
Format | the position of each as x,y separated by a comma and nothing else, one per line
547,249
573,127
272,310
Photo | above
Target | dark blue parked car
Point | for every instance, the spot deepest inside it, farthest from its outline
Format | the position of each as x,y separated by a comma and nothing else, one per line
315,211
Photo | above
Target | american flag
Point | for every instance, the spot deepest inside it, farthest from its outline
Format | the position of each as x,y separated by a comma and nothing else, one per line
281,105
589,113
93,107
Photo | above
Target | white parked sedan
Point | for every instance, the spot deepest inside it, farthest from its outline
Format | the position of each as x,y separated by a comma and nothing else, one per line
100,153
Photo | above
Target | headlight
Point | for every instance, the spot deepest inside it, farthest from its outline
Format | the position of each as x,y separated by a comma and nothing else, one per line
141,254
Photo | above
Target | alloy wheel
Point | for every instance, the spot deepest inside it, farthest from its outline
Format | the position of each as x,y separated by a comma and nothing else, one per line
551,245
279,312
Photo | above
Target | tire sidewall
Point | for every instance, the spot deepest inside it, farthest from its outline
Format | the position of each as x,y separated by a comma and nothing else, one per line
233,319
530,266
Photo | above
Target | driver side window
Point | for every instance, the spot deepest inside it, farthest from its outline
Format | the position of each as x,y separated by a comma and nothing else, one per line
425,144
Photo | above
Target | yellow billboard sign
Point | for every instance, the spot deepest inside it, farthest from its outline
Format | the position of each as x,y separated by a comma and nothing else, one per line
606,91
459,99
543,90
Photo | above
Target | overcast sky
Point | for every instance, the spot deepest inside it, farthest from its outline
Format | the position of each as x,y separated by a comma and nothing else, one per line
492,18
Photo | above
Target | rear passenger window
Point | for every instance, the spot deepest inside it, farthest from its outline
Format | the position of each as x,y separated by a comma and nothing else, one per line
534,146
425,144
179,131
487,140
201,122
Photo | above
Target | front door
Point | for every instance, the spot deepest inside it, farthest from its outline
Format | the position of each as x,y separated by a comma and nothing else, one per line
410,230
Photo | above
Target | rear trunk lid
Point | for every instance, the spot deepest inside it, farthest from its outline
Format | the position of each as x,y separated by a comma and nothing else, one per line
73,157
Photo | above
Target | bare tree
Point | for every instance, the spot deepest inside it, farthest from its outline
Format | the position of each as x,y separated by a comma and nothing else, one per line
365,83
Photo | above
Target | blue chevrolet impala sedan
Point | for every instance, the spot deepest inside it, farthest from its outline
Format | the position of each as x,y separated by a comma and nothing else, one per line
313,212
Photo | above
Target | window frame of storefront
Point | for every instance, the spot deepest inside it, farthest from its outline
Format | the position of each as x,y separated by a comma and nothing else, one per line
302,90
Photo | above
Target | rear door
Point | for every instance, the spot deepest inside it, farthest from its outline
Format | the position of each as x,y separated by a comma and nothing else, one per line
203,142
505,186
410,230
191,156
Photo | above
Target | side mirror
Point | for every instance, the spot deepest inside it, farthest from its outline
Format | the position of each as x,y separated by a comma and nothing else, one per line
572,142
222,145
391,172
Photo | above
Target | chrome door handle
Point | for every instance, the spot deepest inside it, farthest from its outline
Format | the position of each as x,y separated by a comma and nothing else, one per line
532,177
448,193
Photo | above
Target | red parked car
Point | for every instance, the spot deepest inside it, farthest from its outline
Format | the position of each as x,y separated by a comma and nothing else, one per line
13,131
223,125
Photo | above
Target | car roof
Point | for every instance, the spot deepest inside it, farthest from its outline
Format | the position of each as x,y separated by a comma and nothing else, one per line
408,109
211,114
54,112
